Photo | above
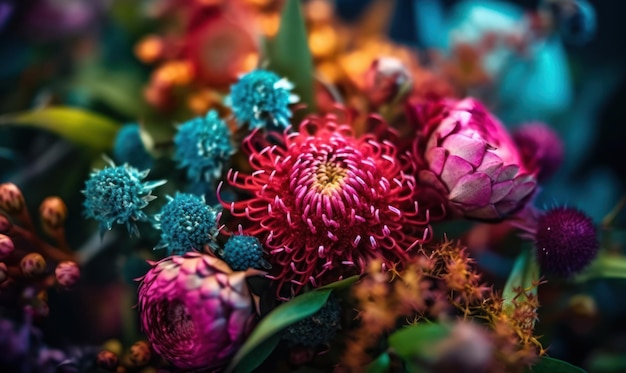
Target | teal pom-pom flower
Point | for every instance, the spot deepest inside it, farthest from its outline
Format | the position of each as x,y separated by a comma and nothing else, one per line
128,148
203,147
117,194
242,252
187,223
317,329
261,97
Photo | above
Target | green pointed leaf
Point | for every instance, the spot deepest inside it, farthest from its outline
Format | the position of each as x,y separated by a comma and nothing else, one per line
289,55
346,282
265,337
605,266
524,275
551,365
79,126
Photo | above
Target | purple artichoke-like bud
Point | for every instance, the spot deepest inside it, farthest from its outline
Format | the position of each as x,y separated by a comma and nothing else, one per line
540,147
566,241
467,156
195,311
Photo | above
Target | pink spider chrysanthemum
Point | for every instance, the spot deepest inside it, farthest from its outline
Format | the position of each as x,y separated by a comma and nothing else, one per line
325,203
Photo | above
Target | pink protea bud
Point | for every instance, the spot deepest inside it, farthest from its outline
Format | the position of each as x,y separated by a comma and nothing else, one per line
140,353
33,265
4,273
195,311
67,274
540,147
386,78
6,246
108,360
566,241
53,213
11,198
466,155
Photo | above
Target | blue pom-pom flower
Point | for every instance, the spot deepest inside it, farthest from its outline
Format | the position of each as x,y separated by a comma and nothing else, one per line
242,252
187,223
128,148
117,194
261,97
203,147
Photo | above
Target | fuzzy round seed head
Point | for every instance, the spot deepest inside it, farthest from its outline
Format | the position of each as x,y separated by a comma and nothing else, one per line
540,147
195,311
565,241
187,223
33,265
129,148
11,198
118,195
243,252
316,329
6,246
261,97
67,274
324,203
203,147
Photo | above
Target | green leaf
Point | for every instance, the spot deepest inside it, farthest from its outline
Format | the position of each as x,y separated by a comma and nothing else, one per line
551,365
265,337
79,126
380,365
416,341
341,283
605,266
524,276
289,55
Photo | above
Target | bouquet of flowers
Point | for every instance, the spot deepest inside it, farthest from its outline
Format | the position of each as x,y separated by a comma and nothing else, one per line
303,194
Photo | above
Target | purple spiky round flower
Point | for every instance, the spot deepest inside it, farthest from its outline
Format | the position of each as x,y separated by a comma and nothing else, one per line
465,154
325,203
195,311
117,194
540,147
565,241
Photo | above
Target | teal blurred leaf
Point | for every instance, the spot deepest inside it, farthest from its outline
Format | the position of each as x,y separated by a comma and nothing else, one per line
551,365
265,336
380,365
289,55
525,275
76,125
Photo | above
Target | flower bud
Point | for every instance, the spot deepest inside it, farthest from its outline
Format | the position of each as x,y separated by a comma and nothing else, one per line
107,360
33,265
385,79
140,353
4,273
6,246
53,213
5,224
11,198
67,274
